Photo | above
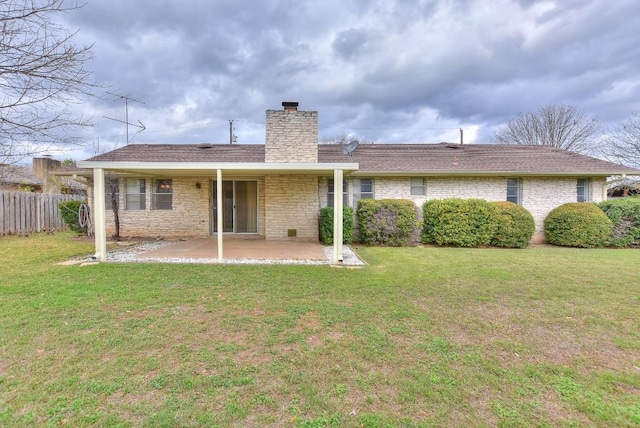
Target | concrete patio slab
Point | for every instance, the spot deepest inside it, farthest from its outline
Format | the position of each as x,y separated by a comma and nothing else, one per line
239,248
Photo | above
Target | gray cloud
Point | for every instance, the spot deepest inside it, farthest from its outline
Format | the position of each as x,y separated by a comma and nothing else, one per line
408,71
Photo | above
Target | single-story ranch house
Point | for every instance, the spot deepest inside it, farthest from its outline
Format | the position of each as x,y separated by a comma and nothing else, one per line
275,190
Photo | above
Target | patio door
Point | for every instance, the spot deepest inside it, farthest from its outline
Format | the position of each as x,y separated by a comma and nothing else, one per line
239,206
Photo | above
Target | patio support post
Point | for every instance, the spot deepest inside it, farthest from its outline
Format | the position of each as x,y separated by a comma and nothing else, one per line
337,216
219,212
100,229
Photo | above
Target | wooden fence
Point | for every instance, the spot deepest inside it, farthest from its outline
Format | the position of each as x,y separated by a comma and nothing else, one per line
22,213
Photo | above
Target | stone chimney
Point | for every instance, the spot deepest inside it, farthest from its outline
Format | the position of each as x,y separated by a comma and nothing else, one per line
292,135
42,167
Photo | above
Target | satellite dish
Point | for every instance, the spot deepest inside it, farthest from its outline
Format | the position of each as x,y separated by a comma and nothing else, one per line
349,148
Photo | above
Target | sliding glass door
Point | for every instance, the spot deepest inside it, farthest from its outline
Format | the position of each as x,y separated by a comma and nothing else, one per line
239,206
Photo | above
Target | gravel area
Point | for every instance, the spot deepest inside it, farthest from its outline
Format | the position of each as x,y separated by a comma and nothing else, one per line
131,254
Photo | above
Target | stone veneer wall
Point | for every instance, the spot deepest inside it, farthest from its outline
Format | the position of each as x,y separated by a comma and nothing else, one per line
291,203
539,194
291,136
189,217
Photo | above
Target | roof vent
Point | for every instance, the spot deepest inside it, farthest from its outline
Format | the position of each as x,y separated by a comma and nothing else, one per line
453,145
205,146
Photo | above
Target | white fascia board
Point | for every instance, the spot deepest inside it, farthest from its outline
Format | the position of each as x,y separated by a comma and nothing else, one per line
361,173
212,166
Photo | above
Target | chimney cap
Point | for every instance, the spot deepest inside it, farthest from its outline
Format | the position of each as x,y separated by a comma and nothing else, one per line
290,105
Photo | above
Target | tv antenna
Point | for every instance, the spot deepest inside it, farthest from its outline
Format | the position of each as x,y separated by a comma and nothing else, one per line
127,98
349,148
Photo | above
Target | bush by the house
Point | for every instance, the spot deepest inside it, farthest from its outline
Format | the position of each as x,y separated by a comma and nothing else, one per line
515,227
459,222
387,222
625,215
69,213
577,224
325,225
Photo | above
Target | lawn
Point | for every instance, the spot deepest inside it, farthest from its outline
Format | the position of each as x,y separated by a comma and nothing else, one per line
419,337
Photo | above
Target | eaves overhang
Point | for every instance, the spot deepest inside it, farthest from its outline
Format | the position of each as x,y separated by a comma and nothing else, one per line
207,168
365,173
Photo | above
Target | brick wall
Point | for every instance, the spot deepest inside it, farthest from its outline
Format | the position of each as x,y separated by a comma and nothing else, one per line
539,195
291,203
189,215
291,136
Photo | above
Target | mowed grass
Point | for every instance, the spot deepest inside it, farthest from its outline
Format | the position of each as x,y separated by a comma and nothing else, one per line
419,337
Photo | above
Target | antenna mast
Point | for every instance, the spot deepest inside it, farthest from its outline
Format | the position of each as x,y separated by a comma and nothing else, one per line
232,138
126,114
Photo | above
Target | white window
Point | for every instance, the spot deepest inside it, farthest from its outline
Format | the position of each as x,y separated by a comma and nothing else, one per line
331,191
136,194
162,197
514,190
362,189
418,186
582,190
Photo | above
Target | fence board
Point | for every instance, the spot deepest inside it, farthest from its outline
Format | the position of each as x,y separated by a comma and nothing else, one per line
22,213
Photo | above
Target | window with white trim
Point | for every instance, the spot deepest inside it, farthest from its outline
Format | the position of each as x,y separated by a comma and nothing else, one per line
418,186
162,196
362,189
514,190
582,190
331,191
135,194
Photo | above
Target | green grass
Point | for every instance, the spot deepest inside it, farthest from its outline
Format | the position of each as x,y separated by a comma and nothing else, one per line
420,337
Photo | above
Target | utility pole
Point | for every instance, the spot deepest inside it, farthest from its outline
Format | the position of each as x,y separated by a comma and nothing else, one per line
461,137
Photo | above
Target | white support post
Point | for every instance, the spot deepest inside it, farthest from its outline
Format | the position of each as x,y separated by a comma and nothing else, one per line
219,212
337,216
99,227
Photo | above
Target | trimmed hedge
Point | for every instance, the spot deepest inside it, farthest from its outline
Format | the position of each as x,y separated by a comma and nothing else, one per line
387,222
577,224
515,227
459,222
625,216
325,225
69,213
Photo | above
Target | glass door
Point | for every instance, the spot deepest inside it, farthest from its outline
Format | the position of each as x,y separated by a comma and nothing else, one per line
239,206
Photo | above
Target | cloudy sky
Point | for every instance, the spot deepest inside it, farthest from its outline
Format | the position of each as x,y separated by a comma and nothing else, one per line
391,71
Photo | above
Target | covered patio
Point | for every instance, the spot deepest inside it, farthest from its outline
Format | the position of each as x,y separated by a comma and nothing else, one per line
238,250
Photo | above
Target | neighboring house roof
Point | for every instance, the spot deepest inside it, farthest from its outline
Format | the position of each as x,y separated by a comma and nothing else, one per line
394,159
18,175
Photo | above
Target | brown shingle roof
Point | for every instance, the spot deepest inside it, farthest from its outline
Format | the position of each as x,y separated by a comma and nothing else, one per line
400,159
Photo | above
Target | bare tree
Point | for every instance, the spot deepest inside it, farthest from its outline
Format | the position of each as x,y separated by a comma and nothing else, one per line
623,143
345,138
42,74
557,125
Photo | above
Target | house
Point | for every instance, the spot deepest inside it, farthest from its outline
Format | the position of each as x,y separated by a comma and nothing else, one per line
276,189
46,175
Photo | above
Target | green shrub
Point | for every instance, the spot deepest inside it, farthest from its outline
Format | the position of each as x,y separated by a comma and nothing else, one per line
459,222
577,224
69,213
515,227
625,216
325,225
387,222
